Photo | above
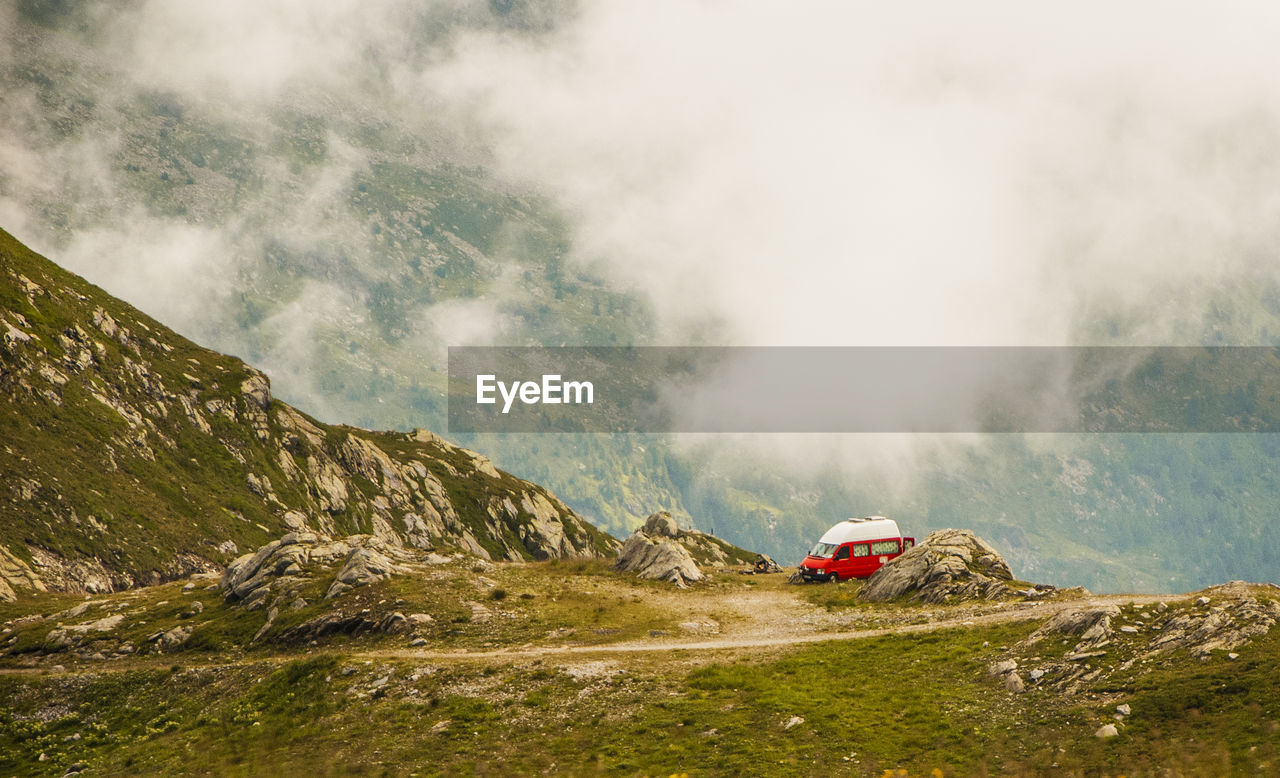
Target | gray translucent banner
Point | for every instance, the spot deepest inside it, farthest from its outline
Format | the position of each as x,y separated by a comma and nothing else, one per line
926,389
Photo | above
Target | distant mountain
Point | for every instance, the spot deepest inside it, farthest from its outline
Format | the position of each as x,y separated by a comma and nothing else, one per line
339,238
132,455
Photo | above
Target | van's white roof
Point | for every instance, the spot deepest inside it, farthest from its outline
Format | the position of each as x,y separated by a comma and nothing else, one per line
867,528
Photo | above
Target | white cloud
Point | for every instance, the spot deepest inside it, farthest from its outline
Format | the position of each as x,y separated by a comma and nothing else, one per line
852,173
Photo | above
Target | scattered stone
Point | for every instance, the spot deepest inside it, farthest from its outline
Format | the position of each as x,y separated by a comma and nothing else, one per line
1202,601
1161,607
175,637
1241,618
1233,655
1124,709
417,642
1037,674
1013,682
1129,628
1000,668
1106,731
794,721
441,726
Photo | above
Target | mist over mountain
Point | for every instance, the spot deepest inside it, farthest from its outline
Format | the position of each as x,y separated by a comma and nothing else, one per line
336,192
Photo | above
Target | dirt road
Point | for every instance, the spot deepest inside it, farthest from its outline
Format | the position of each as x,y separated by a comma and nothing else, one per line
754,639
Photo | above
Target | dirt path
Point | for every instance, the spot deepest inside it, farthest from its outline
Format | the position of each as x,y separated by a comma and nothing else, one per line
767,619
1019,612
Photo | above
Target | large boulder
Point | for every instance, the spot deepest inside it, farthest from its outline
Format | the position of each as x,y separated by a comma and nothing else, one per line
951,564
655,551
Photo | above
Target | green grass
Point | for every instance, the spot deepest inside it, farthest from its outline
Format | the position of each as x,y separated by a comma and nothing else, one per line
917,703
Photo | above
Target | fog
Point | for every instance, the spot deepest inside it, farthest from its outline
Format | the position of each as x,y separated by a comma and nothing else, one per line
852,173
760,173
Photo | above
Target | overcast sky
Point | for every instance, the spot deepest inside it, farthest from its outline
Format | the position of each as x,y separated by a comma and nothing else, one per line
832,173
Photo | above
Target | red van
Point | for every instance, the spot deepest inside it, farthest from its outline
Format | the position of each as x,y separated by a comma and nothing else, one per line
854,548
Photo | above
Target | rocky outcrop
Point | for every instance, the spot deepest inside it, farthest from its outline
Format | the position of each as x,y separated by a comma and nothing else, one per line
1109,639
345,624
16,575
950,565
272,575
1225,618
655,551
363,566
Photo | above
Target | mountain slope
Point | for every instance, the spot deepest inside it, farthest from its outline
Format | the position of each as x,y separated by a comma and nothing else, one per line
132,455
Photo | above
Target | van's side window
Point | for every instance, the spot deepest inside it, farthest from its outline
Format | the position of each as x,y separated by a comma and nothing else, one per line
843,553
860,549
884,547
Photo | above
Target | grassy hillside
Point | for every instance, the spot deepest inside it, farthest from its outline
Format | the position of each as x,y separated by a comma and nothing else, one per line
572,668
133,455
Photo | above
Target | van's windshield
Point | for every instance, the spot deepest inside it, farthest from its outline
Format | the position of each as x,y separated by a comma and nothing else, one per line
822,549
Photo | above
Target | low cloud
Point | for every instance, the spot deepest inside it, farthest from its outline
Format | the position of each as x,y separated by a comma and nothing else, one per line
853,173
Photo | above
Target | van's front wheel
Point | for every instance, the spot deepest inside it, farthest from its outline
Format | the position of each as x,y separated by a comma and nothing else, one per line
833,578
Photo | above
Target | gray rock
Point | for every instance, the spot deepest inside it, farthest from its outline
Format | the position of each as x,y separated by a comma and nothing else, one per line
661,558
257,390
175,637
1092,625
251,578
1124,709
1241,618
1106,731
661,524
295,521
950,564
363,566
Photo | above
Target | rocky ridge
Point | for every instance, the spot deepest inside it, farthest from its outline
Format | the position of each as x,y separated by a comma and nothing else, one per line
137,456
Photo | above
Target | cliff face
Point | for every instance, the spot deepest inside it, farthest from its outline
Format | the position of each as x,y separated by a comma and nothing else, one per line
130,455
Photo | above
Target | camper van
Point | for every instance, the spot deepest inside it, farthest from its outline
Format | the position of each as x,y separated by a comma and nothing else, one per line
854,548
